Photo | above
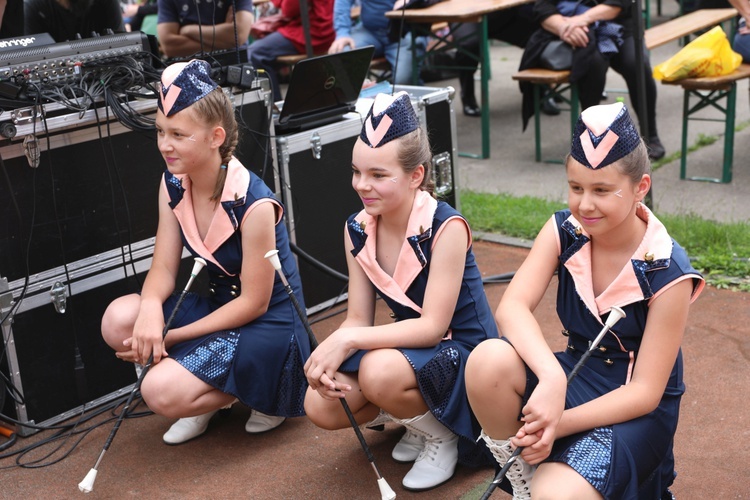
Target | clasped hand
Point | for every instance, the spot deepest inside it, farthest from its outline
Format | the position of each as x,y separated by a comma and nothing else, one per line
541,415
574,31
321,366
147,340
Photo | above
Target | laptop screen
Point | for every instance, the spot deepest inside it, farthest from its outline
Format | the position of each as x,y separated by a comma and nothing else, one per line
324,87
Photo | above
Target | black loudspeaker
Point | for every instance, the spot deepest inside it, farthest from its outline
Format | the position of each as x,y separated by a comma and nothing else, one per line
315,167
79,232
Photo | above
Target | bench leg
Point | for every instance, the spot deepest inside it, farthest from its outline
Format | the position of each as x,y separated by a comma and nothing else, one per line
726,172
485,73
683,147
558,90
573,108
537,125
729,110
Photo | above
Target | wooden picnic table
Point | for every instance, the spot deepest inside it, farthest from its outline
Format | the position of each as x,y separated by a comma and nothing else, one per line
460,11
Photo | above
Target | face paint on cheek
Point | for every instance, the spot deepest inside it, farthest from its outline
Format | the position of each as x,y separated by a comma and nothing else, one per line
192,138
617,193
394,179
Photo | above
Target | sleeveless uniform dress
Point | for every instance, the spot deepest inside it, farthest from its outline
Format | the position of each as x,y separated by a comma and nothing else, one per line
634,459
261,362
439,369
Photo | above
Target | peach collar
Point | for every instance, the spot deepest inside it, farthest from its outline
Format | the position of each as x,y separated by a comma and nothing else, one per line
630,285
411,260
224,222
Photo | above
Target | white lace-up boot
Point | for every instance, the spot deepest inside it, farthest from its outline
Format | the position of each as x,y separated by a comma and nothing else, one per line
409,447
519,474
188,428
436,462
260,422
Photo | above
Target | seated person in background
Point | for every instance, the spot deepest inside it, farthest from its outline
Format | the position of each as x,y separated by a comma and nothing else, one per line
11,18
372,28
602,36
741,43
134,13
290,38
71,19
184,30
513,26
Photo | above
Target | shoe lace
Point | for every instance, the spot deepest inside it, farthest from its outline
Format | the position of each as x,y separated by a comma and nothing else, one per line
520,478
412,438
519,474
430,449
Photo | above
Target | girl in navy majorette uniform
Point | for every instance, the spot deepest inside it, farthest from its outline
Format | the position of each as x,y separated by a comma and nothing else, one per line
610,432
415,252
244,341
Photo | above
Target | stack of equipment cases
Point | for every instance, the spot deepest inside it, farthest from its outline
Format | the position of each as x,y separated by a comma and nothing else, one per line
79,194
315,167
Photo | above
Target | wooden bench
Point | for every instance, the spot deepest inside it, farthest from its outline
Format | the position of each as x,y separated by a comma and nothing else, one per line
710,91
556,84
656,36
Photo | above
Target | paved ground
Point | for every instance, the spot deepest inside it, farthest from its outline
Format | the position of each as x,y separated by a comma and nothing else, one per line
300,461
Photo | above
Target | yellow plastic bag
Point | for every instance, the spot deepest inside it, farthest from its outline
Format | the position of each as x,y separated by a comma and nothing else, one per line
708,55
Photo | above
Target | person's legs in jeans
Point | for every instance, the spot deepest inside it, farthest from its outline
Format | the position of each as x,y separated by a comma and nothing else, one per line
262,55
741,45
363,37
390,50
399,55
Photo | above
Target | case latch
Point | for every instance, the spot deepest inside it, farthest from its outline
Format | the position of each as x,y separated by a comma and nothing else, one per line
316,146
442,173
59,297
31,150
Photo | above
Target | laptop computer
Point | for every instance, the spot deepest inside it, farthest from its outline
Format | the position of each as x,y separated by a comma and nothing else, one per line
323,89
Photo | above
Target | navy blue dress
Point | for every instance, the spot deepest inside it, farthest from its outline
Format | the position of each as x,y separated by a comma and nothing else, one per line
439,369
260,363
633,459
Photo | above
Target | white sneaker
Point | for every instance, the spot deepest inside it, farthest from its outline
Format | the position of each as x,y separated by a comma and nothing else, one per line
188,428
408,448
260,422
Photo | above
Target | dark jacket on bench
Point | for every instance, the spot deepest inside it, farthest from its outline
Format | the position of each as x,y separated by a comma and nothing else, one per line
540,38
